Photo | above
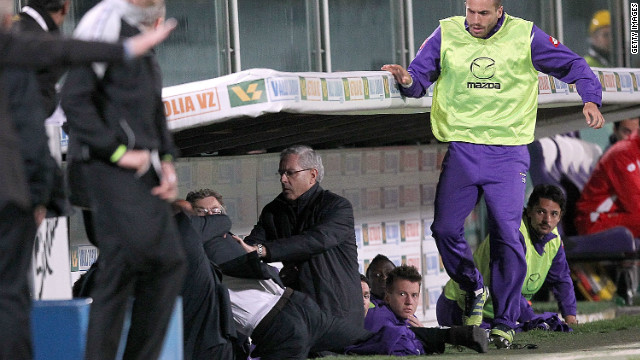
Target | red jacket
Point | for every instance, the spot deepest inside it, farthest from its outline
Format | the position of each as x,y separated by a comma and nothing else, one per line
614,187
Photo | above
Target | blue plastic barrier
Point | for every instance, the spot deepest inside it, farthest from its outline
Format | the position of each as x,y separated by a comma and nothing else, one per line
173,347
59,330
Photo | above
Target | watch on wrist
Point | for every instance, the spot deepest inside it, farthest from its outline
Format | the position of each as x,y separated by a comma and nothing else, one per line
260,250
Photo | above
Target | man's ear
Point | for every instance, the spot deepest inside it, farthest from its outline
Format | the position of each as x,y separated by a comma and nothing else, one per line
314,175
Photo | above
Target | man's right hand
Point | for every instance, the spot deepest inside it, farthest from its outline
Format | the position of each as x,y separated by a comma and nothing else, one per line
138,160
401,75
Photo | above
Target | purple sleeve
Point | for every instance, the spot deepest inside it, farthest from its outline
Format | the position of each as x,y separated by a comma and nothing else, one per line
526,312
551,57
377,318
425,68
561,284
392,335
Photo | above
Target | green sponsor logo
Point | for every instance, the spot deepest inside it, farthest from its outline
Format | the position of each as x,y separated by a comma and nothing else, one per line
247,93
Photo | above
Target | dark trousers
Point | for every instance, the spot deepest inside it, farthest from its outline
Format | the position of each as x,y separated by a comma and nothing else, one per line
300,327
17,233
433,339
141,256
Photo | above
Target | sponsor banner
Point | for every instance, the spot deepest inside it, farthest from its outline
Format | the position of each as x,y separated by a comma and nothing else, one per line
83,256
559,87
608,81
544,85
284,89
313,89
373,88
193,103
335,90
259,91
247,93
625,81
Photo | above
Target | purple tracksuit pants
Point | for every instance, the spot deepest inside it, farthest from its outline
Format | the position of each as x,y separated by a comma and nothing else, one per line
468,171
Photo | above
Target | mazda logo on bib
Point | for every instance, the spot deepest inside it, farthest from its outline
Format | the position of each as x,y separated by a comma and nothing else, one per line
483,68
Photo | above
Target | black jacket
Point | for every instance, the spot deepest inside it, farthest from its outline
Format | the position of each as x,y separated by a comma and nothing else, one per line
122,108
315,241
33,52
20,87
208,321
226,254
47,76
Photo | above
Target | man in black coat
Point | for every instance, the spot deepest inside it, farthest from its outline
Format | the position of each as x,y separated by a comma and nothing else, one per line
208,324
282,323
39,18
310,230
118,133
17,225
42,17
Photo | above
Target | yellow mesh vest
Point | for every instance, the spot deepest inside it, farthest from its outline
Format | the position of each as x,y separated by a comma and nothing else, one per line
487,92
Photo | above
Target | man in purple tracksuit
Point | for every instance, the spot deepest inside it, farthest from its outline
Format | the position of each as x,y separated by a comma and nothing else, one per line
398,332
546,264
484,105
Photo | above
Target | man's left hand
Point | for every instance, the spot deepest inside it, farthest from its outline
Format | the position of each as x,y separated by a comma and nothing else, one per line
168,188
413,321
593,116
248,248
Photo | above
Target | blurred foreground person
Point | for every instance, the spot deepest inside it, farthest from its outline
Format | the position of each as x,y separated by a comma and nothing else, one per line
118,135
17,225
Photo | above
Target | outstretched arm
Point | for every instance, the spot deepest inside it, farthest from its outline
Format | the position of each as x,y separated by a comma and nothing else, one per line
37,51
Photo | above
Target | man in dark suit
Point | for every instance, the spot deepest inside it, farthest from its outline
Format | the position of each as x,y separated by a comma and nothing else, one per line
17,225
310,230
40,17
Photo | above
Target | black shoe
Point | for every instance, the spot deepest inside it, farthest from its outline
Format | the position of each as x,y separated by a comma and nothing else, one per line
473,337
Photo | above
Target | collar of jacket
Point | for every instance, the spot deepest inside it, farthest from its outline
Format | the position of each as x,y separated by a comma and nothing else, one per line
299,204
41,16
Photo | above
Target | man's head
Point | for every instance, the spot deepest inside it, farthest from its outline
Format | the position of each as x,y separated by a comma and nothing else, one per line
300,168
58,9
624,128
403,290
206,202
377,273
366,293
154,14
545,208
600,31
482,16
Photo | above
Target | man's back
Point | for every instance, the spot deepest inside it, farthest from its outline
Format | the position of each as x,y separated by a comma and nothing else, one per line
128,106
